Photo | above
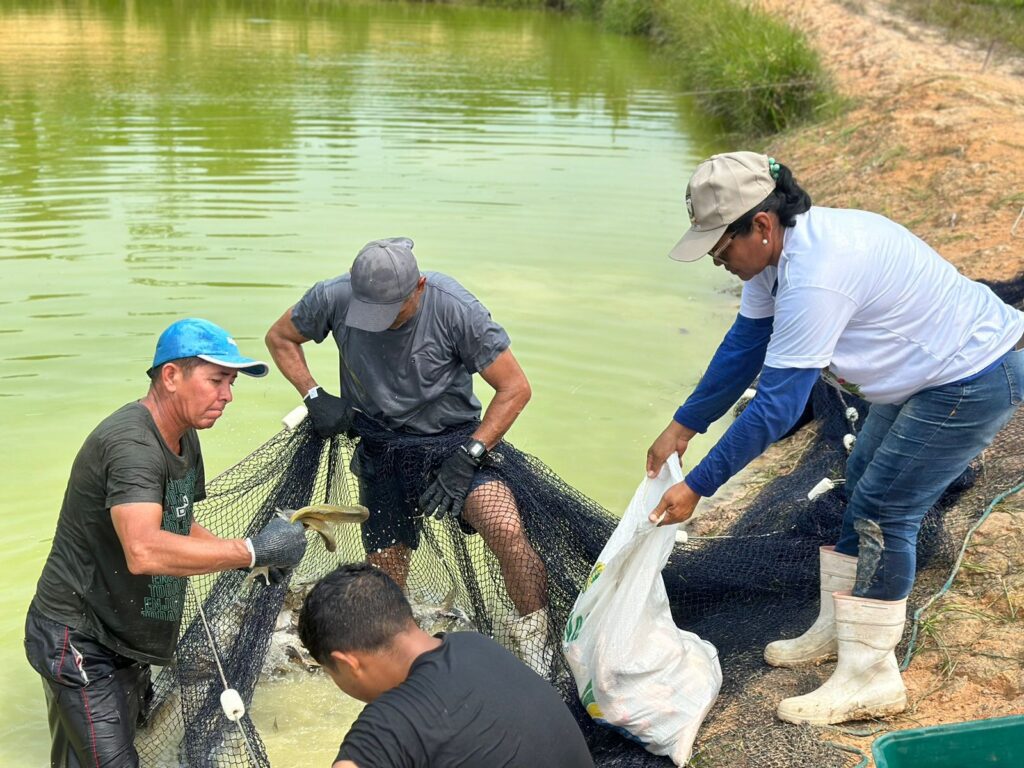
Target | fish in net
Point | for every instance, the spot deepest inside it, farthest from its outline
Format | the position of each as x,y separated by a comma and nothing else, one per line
741,580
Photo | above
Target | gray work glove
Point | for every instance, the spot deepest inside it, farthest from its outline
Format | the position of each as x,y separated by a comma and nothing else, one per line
330,415
447,492
280,543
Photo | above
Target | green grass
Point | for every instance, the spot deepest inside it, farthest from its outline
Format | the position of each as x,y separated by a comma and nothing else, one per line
987,22
748,71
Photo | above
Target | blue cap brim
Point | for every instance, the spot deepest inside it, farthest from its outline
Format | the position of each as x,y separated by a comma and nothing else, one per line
246,365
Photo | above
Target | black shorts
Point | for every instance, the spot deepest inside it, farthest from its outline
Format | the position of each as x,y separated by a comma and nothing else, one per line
392,499
93,695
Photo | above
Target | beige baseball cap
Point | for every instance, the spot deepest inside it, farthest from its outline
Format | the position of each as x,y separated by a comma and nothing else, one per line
723,188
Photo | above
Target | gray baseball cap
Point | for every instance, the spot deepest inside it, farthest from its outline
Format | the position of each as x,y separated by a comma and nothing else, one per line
384,275
723,188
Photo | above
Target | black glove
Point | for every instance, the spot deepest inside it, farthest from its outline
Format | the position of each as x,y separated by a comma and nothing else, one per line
280,544
277,576
447,491
330,415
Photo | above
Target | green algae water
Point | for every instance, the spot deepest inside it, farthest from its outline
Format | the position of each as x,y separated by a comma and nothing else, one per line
169,159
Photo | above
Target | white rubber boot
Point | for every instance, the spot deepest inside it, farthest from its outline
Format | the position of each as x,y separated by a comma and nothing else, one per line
867,680
529,637
838,572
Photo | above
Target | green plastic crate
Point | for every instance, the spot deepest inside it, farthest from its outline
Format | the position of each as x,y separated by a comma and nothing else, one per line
977,744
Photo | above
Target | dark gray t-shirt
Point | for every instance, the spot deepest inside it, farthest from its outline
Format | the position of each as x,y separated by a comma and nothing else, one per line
86,583
419,377
467,704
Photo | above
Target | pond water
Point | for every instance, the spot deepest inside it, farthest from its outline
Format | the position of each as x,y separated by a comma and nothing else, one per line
170,159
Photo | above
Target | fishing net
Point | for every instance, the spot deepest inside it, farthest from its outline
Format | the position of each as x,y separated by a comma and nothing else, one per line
747,575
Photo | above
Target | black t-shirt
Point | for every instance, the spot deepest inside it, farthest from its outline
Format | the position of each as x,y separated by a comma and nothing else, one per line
86,583
472,704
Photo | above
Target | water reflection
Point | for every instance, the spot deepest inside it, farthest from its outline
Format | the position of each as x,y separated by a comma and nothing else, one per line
200,95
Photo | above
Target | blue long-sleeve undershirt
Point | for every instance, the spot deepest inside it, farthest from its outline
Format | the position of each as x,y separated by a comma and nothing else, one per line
735,364
781,397
782,394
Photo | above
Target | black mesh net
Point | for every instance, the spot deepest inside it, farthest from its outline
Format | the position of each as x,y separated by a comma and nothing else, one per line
747,575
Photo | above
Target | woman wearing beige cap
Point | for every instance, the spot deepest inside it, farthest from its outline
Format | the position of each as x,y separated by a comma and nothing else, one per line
858,299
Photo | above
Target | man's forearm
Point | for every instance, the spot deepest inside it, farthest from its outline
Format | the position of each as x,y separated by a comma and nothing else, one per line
501,413
291,361
511,394
170,554
199,532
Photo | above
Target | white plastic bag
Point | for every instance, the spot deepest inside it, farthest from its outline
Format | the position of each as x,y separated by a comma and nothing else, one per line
635,670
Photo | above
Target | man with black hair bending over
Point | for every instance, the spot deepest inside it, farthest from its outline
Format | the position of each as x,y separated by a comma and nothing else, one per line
408,345
456,699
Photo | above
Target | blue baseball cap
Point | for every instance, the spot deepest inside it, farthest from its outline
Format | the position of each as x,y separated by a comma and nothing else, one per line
193,337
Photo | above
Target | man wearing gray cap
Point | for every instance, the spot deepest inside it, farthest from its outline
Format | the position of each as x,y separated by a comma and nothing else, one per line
409,344
110,598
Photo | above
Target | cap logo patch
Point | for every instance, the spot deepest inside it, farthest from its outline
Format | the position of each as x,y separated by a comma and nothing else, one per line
689,209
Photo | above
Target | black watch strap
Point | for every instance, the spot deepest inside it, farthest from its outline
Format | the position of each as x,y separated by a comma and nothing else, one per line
476,450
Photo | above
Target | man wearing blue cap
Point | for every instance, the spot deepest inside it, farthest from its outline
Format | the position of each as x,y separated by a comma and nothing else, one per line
409,344
110,597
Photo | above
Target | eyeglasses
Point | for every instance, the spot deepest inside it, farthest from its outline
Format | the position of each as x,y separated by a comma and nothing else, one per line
716,253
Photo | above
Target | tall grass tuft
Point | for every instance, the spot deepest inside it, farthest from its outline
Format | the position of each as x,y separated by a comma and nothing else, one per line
628,17
750,72
753,73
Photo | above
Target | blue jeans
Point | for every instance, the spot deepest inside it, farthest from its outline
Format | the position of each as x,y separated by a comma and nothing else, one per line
905,457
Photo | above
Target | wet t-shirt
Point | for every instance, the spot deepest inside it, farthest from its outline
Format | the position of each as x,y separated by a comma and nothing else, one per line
467,704
86,583
419,377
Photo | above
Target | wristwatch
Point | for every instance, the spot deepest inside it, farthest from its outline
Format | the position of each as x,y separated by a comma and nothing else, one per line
476,450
